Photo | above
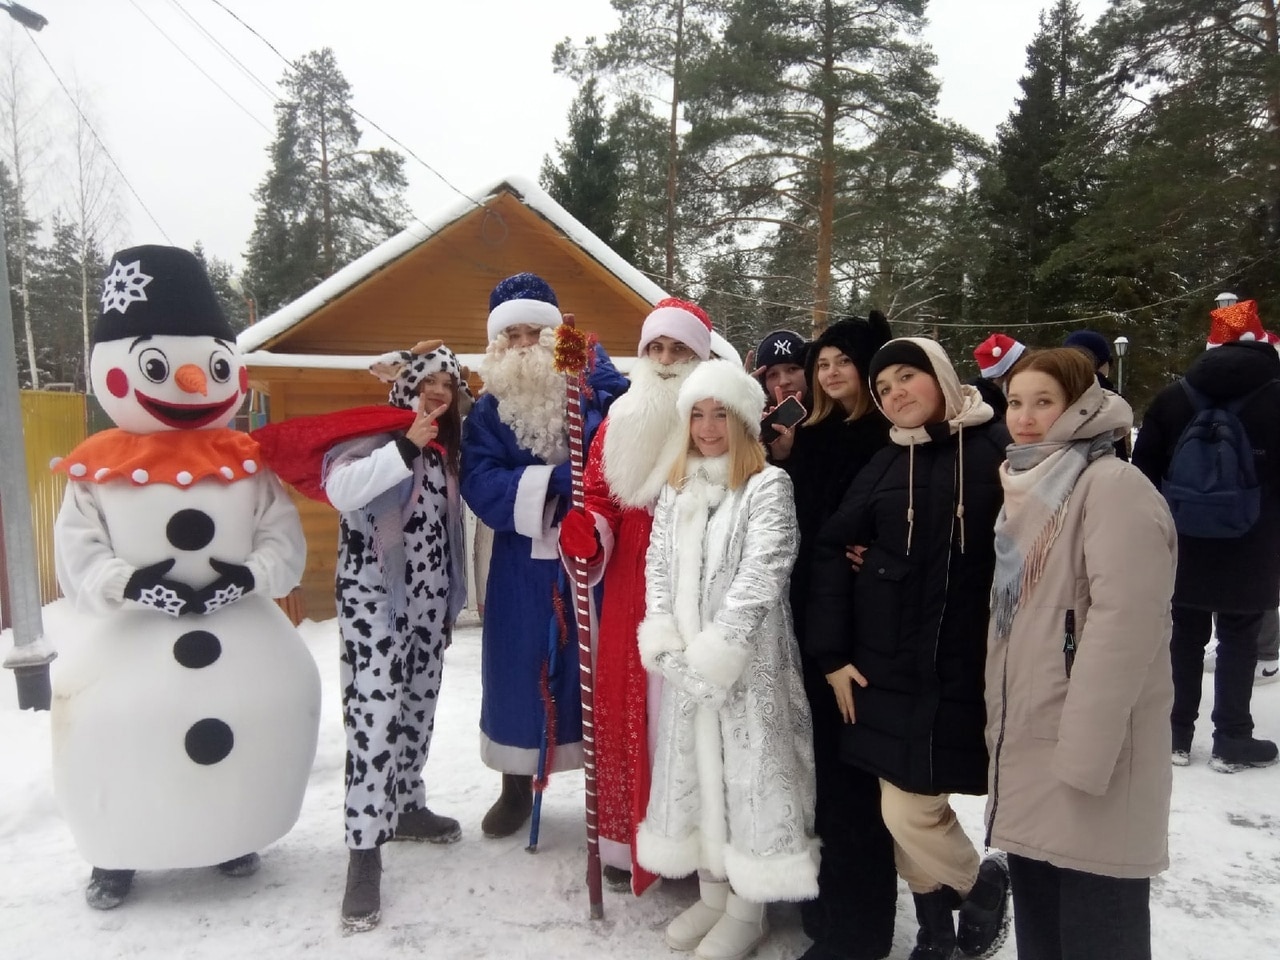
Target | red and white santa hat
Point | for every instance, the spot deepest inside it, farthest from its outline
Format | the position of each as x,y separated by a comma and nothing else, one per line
1240,321
997,354
679,320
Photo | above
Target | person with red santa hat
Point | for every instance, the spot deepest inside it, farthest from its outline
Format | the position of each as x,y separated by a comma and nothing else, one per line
625,473
996,356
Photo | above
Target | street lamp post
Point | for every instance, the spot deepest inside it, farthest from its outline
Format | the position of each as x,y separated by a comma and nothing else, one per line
1225,299
1122,349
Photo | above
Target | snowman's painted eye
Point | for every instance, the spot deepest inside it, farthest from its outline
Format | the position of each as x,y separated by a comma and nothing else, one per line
154,365
220,367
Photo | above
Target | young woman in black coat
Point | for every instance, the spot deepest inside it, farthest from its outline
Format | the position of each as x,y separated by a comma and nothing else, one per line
853,917
903,642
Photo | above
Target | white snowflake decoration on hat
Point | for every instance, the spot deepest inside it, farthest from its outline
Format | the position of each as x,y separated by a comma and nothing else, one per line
123,286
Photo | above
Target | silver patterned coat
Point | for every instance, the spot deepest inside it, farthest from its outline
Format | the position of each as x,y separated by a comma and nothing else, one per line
732,790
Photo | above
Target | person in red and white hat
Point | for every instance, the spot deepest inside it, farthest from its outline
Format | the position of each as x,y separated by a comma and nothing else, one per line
996,356
626,470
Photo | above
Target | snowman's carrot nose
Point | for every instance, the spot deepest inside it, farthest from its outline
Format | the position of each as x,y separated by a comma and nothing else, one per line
192,379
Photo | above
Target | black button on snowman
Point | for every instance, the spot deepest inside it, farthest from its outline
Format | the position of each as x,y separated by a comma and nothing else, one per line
186,706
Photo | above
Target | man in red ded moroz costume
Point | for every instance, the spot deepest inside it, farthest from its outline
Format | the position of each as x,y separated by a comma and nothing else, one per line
624,475
185,706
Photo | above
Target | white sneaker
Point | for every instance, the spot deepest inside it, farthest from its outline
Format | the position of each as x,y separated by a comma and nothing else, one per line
1268,671
686,931
737,933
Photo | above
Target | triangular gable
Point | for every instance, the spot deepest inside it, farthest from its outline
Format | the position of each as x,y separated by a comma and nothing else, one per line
271,328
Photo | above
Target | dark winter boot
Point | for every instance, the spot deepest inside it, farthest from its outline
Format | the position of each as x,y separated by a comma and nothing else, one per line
245,866
984,913
362,903
1233,754
108,888
422,824
617,879
512,808
937,937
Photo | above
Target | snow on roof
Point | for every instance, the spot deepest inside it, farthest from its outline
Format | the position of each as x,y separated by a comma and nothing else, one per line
419,232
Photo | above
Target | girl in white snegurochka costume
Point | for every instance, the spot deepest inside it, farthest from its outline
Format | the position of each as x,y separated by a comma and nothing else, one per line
732,793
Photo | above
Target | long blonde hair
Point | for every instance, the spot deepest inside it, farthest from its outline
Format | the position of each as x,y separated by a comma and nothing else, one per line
746,455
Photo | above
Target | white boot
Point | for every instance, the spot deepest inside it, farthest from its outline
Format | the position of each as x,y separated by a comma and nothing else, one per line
687,930
737,933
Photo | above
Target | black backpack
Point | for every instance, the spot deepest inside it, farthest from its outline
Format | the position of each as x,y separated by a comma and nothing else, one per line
1212,482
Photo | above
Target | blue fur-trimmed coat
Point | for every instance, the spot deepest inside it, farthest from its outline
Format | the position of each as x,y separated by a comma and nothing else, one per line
522,498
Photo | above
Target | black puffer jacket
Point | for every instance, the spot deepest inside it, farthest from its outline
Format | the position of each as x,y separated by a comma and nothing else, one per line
914,622
825,458
1233,575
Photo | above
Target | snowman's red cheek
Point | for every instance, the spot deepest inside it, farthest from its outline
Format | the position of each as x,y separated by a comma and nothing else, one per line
244,379
117,382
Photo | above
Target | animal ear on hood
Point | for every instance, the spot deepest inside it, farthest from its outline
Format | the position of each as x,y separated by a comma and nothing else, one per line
389,366
423,347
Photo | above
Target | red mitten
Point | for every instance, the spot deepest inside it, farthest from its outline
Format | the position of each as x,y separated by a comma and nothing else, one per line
578,537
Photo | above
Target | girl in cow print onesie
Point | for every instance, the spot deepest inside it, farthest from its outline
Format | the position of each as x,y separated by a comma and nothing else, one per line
400,585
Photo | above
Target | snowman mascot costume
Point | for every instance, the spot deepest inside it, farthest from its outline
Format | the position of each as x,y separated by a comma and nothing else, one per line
186,706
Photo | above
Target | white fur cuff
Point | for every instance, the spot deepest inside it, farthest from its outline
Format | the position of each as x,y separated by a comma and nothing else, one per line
715,658
658,634
667,857
783,876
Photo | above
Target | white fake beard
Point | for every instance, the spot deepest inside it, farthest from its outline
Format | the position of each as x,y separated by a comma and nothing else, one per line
531,395
641,424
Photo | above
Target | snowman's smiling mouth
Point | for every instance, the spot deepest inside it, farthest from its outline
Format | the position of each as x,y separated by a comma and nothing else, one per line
185,416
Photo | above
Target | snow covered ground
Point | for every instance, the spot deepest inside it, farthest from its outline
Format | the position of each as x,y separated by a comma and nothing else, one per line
489,898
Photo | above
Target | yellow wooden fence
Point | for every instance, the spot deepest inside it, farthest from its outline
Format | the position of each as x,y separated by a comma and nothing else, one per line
52,424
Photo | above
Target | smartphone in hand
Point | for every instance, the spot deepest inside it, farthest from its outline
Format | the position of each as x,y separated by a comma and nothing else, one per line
786,414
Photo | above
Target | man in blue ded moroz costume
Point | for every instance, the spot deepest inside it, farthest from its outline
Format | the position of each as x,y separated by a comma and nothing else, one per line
515,476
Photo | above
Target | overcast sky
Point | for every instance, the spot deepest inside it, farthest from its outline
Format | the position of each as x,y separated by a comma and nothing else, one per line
466,84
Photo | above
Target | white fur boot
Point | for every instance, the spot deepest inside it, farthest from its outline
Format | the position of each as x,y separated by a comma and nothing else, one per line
737,933
687,930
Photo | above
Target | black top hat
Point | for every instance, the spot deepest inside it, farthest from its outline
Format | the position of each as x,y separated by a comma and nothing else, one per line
152,291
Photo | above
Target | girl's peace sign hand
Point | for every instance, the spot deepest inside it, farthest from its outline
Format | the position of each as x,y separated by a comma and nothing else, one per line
424,429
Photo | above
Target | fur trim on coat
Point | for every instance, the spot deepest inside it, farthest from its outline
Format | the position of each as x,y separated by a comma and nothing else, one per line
715,657
784,876
658,634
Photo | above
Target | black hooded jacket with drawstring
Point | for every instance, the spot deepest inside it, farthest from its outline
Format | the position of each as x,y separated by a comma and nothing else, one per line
914,621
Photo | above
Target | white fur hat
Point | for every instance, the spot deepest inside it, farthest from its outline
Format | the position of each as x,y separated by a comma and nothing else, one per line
524,298
727,382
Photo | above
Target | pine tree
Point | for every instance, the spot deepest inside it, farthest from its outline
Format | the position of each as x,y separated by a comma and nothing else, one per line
21,232
585,178
785,104
324,201
1035,192
651,48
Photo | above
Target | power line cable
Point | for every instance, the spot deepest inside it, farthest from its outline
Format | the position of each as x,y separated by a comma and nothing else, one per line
191,60
227,53
397,141
89,127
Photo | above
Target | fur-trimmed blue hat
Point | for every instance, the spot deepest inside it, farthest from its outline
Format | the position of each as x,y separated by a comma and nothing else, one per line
523,298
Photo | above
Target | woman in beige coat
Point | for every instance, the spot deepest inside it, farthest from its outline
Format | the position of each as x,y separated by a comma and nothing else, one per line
1078,677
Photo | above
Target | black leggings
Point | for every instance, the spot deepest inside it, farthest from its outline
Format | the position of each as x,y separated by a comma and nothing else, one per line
1061,914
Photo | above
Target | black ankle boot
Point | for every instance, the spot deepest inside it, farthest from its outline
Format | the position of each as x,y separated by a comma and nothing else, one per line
422,824
362,903
512,808
984,913
937,937
108,888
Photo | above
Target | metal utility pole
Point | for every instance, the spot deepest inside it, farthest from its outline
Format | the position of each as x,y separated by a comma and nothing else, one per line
29,659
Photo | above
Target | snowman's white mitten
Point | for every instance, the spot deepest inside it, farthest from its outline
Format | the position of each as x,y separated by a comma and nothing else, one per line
234,582
148,587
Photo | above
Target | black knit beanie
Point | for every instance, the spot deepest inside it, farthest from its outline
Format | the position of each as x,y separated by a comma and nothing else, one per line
857,338
900,351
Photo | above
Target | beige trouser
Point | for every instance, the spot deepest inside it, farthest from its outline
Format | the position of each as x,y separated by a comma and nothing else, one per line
930,848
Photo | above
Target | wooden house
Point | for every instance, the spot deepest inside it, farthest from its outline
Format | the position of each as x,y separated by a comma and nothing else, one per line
432,280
